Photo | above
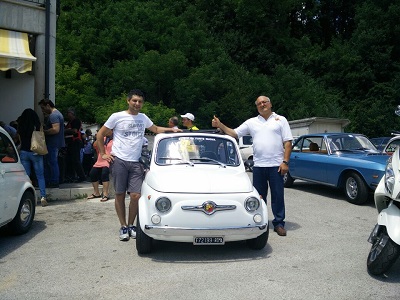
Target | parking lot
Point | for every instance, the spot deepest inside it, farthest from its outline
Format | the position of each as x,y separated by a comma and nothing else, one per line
73,252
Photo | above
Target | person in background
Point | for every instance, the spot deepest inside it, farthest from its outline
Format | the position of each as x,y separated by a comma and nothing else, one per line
187,121
173,122
73,140
12,132
54,132
88,153
272,144
28,122
128,128
101,172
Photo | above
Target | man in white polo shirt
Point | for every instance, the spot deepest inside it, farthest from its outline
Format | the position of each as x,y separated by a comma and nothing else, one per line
272,145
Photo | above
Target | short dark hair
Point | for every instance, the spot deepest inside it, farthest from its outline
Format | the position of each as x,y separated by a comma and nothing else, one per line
175,121
136,92
46,101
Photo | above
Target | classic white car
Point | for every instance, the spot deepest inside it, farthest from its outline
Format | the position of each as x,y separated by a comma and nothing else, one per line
196,190
17,200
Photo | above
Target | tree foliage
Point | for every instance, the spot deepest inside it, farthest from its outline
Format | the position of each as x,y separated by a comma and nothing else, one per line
312,58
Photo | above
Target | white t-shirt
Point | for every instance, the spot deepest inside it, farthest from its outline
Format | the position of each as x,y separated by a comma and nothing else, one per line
268,138
128,133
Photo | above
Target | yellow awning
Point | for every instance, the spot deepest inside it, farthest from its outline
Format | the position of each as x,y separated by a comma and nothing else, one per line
14,51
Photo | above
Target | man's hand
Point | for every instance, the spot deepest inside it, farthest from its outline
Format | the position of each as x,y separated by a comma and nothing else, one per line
215,122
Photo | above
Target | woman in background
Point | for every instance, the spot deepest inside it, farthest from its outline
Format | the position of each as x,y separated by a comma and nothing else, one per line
27,123
101,172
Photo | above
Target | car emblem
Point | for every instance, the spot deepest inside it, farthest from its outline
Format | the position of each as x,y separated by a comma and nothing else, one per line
209,207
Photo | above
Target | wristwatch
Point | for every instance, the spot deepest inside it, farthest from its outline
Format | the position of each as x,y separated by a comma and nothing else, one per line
285,162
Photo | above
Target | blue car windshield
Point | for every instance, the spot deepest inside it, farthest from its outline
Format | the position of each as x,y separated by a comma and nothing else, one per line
350,143
196,150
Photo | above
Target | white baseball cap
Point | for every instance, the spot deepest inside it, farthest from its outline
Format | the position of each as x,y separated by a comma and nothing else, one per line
188,116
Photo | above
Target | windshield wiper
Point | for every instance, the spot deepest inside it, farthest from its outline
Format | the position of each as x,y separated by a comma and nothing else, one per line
182,161
210,159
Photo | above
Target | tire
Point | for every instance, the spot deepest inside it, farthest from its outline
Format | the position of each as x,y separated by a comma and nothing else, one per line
288,180
259,242
143,241
383,254
356,190
23,220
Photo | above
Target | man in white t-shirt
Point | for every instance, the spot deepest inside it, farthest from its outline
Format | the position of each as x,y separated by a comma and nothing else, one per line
128,129
272,145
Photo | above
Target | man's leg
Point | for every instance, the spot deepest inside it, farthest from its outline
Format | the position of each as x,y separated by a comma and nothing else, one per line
120,208
133,207
277,197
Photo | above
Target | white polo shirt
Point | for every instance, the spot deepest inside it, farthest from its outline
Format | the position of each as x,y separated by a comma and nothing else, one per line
268,138
128,133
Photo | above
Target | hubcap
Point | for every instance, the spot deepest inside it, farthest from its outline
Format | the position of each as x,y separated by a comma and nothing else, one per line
351,188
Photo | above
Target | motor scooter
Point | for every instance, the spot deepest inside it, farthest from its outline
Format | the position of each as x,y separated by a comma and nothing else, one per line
385,237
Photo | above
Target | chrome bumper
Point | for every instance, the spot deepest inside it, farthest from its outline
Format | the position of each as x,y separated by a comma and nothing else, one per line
186,231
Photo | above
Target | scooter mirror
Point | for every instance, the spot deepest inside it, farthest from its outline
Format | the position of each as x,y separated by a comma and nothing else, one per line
397,111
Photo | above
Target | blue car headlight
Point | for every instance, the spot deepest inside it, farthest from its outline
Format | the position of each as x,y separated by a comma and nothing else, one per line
252,204
163,204
389,176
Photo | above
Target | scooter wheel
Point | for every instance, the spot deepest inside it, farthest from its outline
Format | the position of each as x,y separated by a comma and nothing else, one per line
383,254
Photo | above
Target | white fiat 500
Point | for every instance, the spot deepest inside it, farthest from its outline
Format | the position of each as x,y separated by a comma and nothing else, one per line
196,190
17,200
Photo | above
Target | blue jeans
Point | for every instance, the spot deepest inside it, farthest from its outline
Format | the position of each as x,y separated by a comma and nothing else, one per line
53,174
29,159
261,177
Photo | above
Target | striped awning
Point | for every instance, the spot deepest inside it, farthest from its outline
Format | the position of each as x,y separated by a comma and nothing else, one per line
14,51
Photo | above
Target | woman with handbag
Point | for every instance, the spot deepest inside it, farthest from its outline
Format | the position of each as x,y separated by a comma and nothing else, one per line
27,123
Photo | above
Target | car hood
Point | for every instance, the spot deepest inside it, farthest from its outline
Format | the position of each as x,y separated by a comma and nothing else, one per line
377,157
199,180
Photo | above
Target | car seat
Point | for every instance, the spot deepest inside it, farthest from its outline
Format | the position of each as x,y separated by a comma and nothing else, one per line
314,147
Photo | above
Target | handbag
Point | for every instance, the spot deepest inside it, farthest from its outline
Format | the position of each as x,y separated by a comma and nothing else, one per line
38,142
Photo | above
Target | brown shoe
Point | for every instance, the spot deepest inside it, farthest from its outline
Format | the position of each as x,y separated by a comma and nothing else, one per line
280,230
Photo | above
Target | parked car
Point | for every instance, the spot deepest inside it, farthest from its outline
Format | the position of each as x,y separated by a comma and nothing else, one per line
344,160
196,190
246,149
380,142
17,200
391,146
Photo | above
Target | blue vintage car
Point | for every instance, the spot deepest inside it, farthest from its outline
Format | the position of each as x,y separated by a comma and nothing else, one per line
343,160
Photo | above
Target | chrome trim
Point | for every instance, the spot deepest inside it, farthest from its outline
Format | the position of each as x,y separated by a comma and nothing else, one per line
186,231
208,207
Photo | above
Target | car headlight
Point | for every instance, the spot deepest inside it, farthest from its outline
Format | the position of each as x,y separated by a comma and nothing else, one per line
252,204
163,204
389,176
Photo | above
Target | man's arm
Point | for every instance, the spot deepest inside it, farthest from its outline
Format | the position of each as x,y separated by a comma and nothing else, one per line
156,129
55,128
101,134
218,124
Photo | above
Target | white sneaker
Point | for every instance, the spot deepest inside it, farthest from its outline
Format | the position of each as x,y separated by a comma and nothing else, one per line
132,231
124,234
43,201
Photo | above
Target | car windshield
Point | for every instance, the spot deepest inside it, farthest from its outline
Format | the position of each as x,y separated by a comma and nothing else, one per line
196,150
350,143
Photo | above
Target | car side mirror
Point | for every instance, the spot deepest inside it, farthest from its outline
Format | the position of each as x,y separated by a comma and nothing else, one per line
249,163
145,161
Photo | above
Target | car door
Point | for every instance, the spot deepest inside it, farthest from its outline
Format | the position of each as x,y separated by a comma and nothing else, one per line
307,162
10,179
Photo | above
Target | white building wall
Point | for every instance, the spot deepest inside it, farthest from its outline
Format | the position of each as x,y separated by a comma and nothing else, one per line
17,94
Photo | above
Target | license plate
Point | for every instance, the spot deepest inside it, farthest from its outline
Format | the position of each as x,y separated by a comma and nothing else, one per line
210,240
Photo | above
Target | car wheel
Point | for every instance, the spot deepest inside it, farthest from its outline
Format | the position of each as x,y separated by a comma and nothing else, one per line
383,254
355,188
23,220
143,241
288,180
259,242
